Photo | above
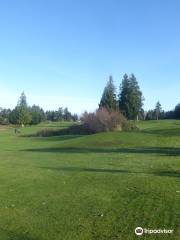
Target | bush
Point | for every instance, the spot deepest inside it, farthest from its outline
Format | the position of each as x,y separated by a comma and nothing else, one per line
103,120
129,126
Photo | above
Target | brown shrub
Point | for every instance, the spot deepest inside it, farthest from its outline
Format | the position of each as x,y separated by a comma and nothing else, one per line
102,120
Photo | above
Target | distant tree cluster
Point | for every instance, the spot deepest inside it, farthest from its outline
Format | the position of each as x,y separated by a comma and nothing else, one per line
4,115
128,101
158,113
61,115
23,114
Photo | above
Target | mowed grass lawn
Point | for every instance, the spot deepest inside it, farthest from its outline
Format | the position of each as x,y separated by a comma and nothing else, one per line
98,187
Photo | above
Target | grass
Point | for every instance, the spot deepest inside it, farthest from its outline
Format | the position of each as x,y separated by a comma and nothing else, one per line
95,187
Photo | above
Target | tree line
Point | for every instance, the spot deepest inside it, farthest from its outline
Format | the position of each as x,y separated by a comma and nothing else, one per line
25,114
158,113
129,101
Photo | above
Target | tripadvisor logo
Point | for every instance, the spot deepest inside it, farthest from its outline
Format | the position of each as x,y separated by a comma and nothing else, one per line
140,231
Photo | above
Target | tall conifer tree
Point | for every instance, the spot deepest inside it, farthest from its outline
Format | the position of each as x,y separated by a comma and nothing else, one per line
108,99
130,97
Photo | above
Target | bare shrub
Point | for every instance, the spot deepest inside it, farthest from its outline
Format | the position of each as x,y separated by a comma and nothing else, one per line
103,120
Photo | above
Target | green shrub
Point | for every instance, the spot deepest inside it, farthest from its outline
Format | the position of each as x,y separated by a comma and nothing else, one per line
129,126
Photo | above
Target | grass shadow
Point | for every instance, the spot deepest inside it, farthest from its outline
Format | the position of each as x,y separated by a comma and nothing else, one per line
175,174
168,173
82,169
151,150
164,132
17,236
76,129
58,138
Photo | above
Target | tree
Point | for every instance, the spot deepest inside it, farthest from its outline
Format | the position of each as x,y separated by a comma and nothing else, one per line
177,111
50,115
108,99
37,114
130,97
60,114
75,117
67,115
151,115
22,102
4,115
21,114
169,114
158,110
124,101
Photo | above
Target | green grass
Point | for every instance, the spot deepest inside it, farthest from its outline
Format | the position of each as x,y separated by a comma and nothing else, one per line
96,187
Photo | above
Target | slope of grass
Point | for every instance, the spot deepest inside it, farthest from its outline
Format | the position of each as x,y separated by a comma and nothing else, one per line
97,187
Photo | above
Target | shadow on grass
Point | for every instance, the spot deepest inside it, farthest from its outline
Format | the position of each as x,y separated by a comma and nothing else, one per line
16,236
172,173
58,138
75,129
151,150
168,173
82,169
164,132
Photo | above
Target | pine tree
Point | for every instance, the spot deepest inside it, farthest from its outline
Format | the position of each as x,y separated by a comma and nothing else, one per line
158,110
130,97
108,99
21,113
177,111
22,102
67,115
124,103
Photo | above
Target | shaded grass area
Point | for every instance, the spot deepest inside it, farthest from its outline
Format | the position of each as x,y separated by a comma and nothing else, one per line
75,129
152,150
102,170
164,132
95,187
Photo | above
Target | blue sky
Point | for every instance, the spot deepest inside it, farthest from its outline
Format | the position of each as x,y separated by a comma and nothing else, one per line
61,52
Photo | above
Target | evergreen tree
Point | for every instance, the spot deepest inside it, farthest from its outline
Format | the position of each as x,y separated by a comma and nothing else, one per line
158,110
151,115
108,99
60,114
22,102
177,111
75,117
21,114
67,115
37,114
130,97
4,115
124,101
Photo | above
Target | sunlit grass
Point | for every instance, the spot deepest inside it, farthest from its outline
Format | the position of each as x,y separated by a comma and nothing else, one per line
97,187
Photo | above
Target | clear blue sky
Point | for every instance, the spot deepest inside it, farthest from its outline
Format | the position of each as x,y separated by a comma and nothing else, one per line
61,52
